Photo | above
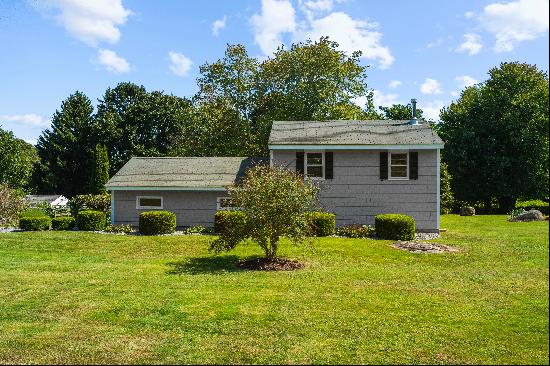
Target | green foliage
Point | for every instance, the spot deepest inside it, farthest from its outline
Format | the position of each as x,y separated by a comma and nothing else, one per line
63,223
230,225
533,205
321,223
273,201
96,202
118,229
496,137
355,231
197,230
446,197
400,112
11,205
394,227
16,162
89,220
157,222
66,150
33,212
100,174
515,212
35,223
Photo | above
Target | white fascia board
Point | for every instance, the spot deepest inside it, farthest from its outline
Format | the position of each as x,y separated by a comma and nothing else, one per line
356,147
132,188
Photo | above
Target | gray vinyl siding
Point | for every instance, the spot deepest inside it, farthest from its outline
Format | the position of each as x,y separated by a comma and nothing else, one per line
191,207
356,194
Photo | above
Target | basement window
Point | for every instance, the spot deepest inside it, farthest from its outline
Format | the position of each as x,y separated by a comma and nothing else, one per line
398,163
149,202
315,165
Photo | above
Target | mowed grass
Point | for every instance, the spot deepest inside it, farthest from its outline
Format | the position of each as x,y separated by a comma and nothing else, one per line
70,297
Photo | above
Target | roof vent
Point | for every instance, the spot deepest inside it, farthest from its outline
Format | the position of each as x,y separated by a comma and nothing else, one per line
413,120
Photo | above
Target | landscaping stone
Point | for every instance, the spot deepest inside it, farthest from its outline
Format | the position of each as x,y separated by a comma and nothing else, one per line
467,211
531,215
426,236
420,247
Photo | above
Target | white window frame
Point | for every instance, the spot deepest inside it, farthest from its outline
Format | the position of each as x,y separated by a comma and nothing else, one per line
139,207
316,165
390,165
220,208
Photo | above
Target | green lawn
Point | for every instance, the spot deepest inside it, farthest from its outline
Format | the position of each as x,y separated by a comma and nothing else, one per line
69,297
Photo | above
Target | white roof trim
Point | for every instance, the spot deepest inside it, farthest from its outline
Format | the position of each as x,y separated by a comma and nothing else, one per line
133,188
357,147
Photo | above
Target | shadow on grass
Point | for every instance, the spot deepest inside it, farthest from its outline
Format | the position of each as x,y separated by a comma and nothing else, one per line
211,264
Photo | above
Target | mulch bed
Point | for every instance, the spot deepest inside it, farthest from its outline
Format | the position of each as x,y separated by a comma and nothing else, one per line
420,247
270,264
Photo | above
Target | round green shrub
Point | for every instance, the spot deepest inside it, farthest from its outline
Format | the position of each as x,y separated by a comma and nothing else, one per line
157,222
394,227
35,223
88,220
63,223
321,223
229,220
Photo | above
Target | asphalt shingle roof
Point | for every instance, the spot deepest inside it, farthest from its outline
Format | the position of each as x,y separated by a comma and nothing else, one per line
196,172
352,132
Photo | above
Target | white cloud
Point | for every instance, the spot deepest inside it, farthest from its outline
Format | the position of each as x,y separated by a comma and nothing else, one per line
314,8
277,17
384,100
112,61
180,64
515,21
218,25
454,93
469,14
472,44
351,34
31,141
431,109
430,86
31,120
394,84
465,81
91,21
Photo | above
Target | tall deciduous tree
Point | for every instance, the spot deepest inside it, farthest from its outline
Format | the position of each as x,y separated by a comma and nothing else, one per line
100,174
496,137
16,160
400,112
66,149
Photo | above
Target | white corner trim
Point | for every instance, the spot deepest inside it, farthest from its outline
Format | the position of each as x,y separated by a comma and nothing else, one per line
135,188
271,158
438,184
112,208
357,147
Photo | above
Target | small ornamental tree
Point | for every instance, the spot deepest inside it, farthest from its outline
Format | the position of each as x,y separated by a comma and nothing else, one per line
100,174
274,200
11,205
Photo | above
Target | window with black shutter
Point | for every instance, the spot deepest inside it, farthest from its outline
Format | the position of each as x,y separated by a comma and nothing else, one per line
300,162
329,170
413,165
383,165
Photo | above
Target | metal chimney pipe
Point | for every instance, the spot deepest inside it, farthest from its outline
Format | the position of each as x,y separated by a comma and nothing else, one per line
413,120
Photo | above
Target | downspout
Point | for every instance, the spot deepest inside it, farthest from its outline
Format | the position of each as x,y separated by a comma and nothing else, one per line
438,183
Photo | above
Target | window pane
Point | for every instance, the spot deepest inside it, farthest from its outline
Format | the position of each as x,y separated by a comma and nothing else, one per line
150,202
398,159
315,158
399,172
315,171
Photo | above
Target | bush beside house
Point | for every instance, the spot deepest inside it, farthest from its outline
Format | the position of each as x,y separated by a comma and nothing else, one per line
35,223
63,223
395,227
89,220
157,222
321,223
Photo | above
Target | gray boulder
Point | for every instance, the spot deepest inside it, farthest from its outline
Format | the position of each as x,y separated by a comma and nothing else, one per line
531,215
467,211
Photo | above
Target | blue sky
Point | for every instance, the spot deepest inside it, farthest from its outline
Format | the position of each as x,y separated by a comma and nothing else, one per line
424,49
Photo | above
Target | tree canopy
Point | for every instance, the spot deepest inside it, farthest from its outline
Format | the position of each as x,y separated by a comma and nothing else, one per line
496,137
16,160
399,112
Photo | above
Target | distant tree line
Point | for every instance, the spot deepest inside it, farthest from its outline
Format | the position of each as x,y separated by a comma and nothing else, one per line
496,133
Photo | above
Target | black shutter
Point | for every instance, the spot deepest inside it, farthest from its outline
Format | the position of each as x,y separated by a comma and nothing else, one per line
329,171
383,165
300,162
413,165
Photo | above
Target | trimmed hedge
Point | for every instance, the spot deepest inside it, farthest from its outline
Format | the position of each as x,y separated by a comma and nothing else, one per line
157,222
35,223
88,220
395,227
533,205
321,223
226,220
63,223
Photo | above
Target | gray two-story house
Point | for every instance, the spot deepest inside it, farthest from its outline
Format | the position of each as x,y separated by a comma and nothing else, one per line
364,168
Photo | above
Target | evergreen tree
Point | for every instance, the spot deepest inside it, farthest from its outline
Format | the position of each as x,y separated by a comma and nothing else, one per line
66,150
100,174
